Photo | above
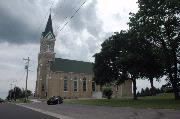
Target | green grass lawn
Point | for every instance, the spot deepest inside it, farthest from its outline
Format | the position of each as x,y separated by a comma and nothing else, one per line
165,101
21,101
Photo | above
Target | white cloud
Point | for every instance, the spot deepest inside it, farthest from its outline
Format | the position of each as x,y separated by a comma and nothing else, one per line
109,9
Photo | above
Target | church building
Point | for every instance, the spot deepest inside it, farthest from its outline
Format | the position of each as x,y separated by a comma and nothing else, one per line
67,78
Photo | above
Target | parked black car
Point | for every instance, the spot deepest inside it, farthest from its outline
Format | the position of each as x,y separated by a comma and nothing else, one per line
55,100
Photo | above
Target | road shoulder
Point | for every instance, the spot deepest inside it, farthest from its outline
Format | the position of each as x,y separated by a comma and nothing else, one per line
47,112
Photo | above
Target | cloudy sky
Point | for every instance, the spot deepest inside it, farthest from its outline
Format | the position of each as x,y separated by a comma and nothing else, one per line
23,21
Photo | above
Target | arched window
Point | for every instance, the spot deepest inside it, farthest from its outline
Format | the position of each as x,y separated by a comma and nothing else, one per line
117,88
84,84
65,84
93,86
43,88
75,84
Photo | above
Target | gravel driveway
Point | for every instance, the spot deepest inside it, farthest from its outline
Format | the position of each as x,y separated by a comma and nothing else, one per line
102,112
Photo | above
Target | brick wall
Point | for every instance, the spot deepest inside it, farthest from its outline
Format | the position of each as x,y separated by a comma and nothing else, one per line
56,85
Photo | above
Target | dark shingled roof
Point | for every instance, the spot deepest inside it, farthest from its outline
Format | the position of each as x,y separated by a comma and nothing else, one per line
48,28
67,65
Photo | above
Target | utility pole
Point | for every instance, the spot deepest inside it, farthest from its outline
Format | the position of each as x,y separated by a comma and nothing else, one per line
27,69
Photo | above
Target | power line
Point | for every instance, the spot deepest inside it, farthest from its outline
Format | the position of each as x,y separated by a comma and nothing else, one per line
52,4
18,81
72,16
76,11
65,18
62,3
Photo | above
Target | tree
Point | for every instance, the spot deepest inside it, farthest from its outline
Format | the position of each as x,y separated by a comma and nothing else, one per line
120,59
153,65
105,67
29,93
158,22
147,92
17,93
142,92
142,59
10,94
139,94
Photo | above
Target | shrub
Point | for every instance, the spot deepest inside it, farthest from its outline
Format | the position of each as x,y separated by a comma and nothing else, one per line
107,92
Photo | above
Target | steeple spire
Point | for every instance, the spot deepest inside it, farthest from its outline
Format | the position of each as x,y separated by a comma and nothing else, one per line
48,28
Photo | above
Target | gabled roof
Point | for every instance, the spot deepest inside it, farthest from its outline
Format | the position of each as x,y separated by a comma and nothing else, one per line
74,66
49,28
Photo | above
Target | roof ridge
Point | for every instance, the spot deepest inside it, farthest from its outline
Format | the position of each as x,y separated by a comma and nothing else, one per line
73,60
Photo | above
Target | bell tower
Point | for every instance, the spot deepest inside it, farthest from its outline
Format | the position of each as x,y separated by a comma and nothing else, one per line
46,54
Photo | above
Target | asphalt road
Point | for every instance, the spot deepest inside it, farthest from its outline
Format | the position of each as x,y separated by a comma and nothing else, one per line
102,112
12,111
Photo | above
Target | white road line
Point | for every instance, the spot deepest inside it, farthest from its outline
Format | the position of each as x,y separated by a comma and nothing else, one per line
47,112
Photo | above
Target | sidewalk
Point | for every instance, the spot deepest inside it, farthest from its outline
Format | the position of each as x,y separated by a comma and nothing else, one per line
56,115
37,100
